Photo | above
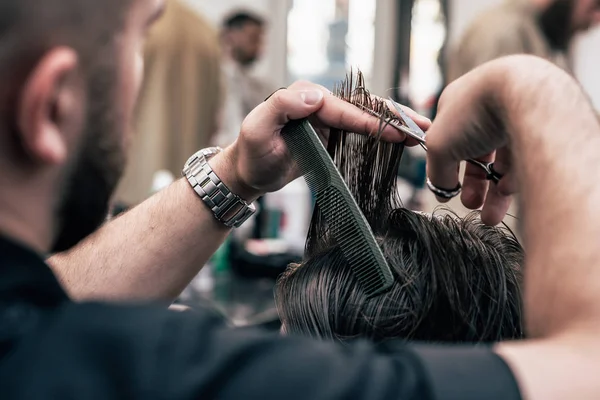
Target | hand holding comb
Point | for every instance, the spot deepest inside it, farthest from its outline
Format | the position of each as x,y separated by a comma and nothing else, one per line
345,223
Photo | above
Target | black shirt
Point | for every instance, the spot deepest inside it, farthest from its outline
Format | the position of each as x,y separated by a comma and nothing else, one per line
54,348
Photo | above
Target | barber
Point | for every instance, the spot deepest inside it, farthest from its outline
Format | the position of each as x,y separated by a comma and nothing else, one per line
511,111
541,130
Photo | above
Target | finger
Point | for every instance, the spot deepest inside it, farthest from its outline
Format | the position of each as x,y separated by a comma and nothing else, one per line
495,207
307,85
352,122
337,113
442,165
498,201
442,172
475,184
508,185
411,142
422,121
286,105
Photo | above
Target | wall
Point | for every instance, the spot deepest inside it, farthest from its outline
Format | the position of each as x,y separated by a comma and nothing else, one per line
587,64
385,56
586,58
462,12
274,64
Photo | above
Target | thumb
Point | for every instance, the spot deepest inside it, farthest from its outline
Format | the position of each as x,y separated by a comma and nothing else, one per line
287,105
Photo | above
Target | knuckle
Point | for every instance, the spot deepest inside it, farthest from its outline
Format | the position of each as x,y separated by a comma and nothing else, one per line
278,103
434,146
277,99
446,94
342,119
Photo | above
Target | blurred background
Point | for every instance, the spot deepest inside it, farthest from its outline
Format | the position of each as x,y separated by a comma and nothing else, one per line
208,63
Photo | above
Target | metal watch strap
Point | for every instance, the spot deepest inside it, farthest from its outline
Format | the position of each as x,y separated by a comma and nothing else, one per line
227,207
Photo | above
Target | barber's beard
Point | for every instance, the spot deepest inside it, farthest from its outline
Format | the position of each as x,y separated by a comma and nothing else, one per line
95,174
244,58
556,23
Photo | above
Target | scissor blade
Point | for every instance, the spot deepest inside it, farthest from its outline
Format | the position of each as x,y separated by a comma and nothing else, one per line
417,131
404,129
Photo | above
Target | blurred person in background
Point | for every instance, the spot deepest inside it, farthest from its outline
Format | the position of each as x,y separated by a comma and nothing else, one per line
544,28
179,100
242,40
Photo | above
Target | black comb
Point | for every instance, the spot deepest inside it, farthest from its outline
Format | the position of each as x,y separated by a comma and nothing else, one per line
347,223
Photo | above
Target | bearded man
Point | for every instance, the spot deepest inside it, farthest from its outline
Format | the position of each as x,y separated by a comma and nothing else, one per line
69,76
543,28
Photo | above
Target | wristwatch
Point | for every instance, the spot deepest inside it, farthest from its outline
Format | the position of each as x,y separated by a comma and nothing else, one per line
227,207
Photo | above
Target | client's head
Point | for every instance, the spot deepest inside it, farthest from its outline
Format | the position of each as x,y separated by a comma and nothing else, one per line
456,280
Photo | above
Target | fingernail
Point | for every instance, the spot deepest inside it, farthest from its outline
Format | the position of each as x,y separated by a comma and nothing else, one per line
311,97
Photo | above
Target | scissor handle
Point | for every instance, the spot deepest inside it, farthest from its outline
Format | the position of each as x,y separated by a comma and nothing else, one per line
491,174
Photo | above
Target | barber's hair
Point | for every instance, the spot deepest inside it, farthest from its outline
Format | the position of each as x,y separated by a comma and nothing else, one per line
30,28
239,19
456,279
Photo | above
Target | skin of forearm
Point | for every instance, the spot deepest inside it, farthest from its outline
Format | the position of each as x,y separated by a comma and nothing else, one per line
555,138
152,252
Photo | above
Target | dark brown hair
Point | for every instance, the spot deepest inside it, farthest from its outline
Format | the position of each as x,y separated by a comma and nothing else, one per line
457,280
241,18
30,28
93,29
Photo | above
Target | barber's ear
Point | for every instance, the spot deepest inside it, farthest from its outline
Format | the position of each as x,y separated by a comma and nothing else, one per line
47,104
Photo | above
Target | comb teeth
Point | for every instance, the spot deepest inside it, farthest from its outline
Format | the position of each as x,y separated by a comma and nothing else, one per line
364,257
307,156
346,222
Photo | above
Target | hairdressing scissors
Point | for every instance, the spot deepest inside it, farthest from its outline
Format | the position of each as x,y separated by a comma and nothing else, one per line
412,130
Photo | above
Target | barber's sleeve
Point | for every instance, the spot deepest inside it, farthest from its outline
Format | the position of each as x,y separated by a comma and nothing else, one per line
202,358
467,373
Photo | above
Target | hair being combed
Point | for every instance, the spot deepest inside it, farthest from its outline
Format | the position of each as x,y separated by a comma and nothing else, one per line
368,165
457,280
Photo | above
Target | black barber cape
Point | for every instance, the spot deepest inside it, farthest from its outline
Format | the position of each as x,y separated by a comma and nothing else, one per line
54,348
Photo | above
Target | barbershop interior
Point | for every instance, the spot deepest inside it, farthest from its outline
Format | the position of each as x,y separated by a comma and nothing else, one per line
299,199
208,64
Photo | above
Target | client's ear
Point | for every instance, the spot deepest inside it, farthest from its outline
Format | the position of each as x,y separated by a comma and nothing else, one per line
50,108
